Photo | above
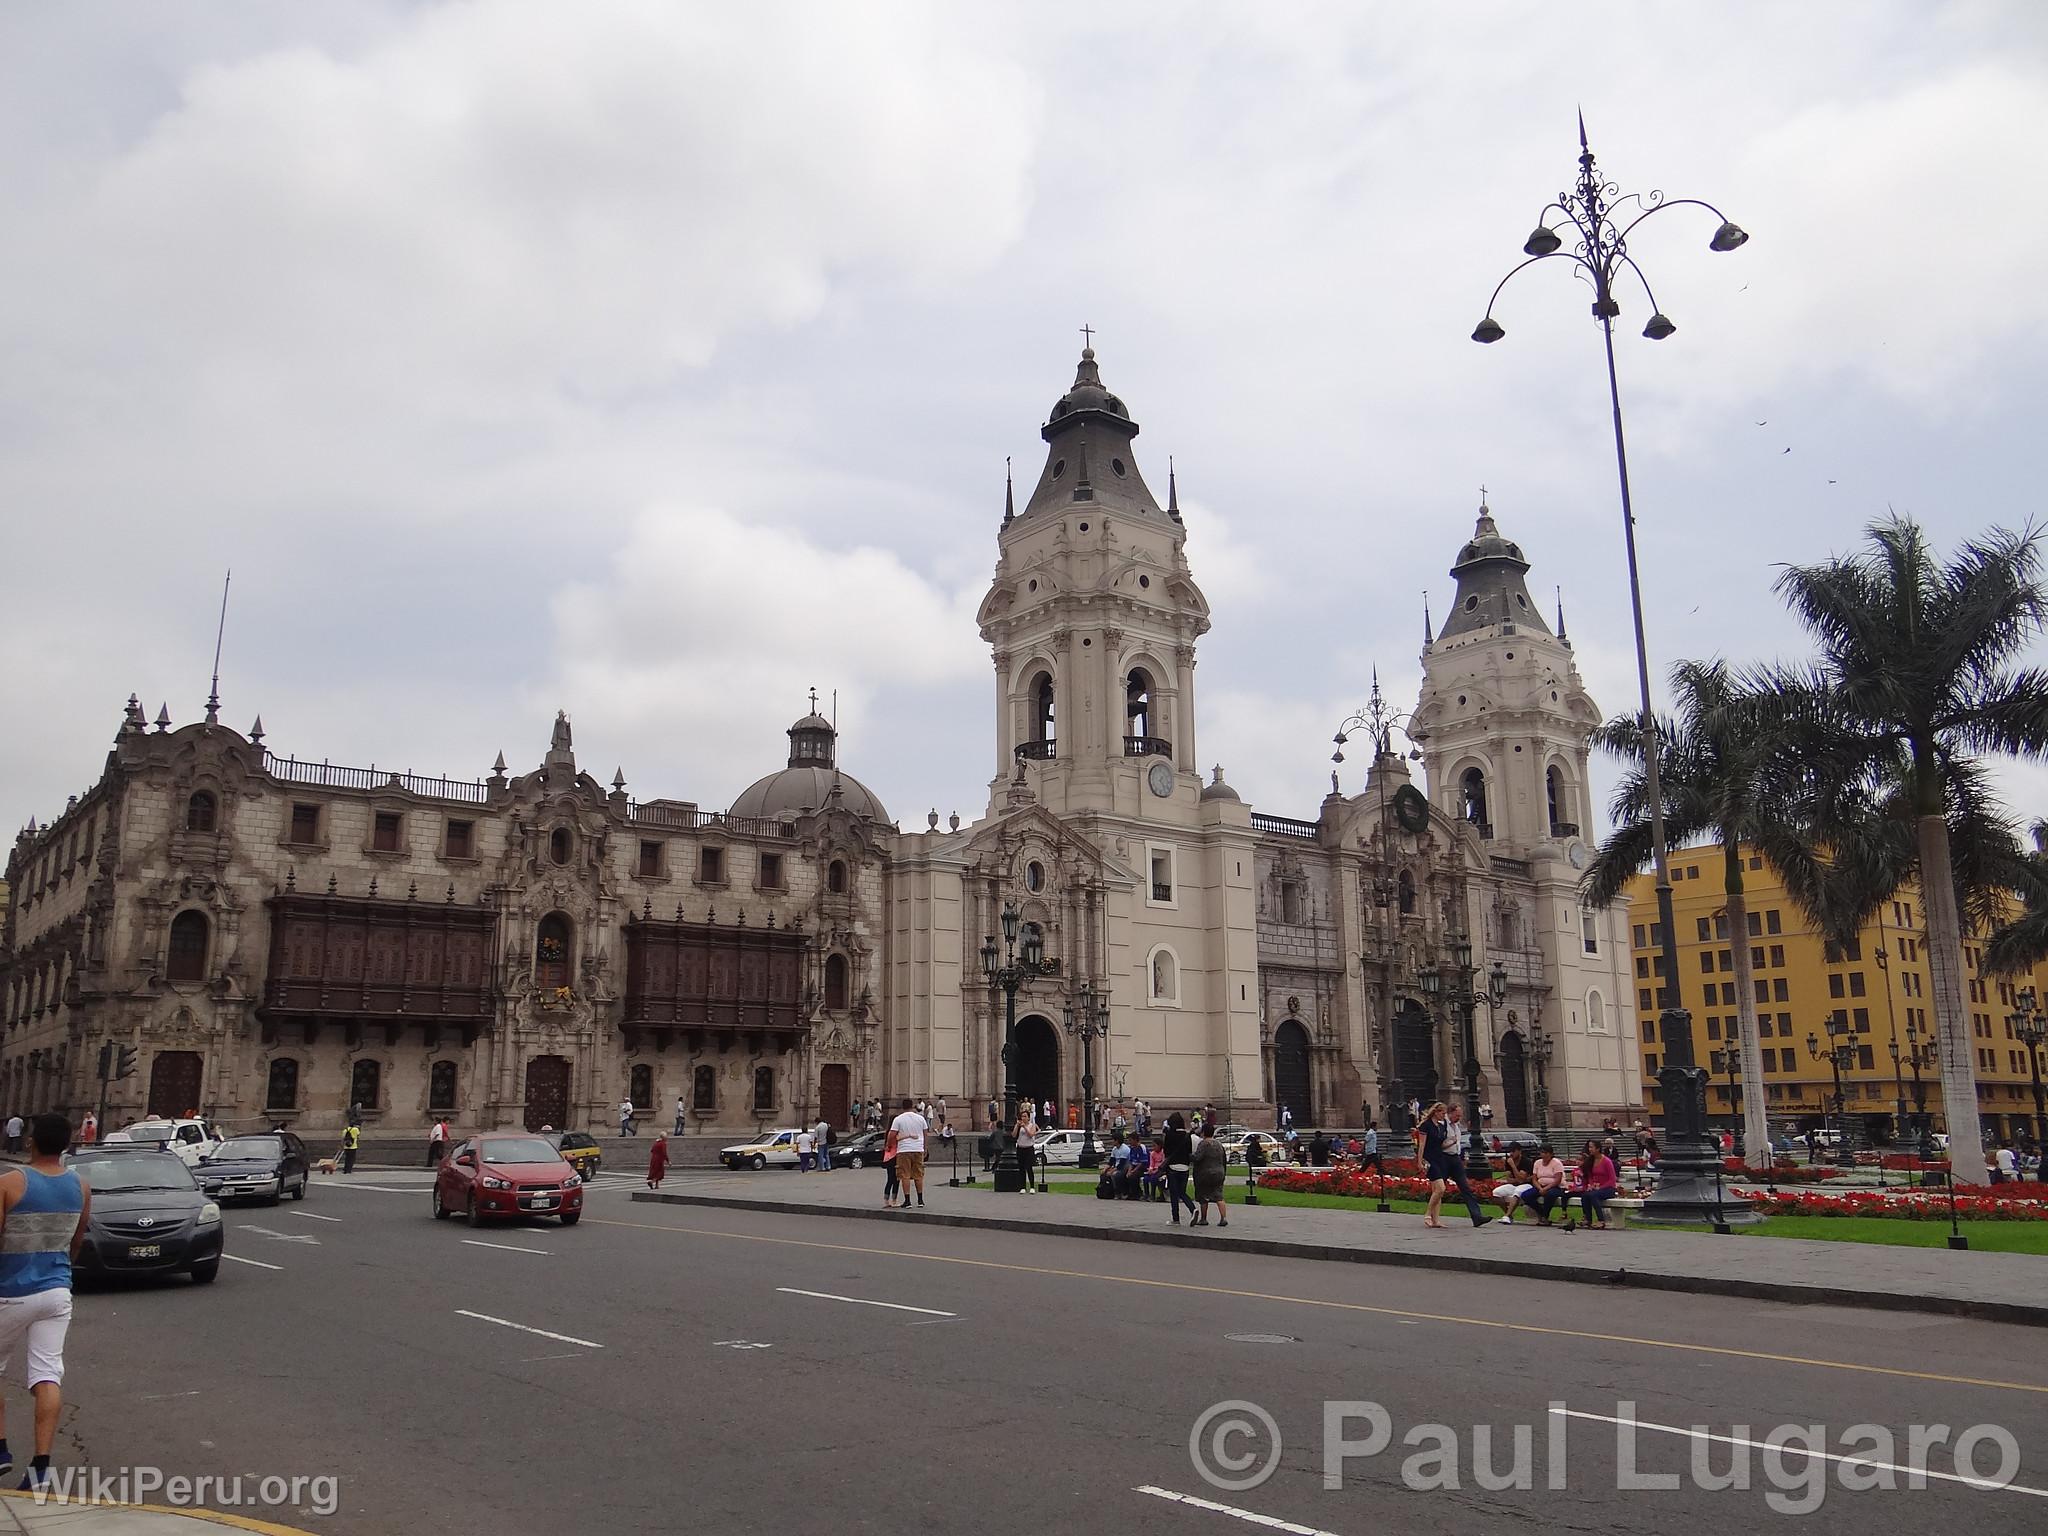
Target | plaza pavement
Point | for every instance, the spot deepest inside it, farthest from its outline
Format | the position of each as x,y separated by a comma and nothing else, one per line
22,1514
2000,1287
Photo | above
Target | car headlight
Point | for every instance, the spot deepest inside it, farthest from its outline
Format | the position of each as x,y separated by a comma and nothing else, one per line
208,1213
573,1181
492,1181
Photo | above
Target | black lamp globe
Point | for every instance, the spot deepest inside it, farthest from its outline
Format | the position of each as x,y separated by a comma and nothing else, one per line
1542,241
1488,331
1728,237
1659,327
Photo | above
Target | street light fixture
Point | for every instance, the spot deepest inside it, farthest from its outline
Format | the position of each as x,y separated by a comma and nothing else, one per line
1087,1018
1840,1054
1540,1048
2031,1027
1015,970
1593,209
1457,990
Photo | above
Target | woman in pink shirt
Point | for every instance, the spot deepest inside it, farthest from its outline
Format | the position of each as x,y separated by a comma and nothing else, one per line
1594,1184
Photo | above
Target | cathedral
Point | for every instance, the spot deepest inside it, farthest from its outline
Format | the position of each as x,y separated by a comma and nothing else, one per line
278,940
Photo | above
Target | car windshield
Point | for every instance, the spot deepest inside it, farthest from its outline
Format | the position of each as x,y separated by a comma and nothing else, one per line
263,1148
518,1149
156,1133
148,1170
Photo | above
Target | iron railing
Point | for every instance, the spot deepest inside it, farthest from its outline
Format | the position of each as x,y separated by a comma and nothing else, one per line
1038,751
1147,746
333,776
1286,826
681,819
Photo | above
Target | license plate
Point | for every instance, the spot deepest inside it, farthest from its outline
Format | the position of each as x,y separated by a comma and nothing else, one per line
145,1250
539,1203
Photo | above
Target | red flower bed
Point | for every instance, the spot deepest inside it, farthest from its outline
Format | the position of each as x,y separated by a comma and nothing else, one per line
1782,1173
1344,1181
1972,1203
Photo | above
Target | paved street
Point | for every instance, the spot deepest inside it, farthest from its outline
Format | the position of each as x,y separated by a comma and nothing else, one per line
670,1366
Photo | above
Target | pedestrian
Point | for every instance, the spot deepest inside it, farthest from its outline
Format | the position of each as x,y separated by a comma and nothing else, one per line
626,1117
806,1148
1180,1162
14,1133
940,1109
890,1183
437,1143
657,1162
1517,1186
1045,1115
1370,1153
1595,1184
44,1208
1318,1150
679,1116
1286,1117
1027,1146
822,1143
1553,1188
1211,1167
351,1143
2004,1166
1444,1167
88,1129
910,1129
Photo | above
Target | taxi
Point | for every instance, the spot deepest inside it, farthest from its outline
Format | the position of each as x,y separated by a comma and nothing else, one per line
776,1149
579,1150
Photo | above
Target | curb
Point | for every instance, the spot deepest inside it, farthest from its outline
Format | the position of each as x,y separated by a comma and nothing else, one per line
2021,1313
67,1509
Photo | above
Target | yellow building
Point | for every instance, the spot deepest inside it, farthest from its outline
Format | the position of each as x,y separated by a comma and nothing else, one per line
1876,990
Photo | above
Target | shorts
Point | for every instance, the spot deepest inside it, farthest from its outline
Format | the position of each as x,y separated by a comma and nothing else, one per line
910,1167
32,1329
1520,1191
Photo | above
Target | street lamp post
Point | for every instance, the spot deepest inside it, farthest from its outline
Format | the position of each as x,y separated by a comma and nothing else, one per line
1464,1003
1884,972
1087,1017
1014,971
1919,1055
1592,208
2032,1028
1540,1046
1839,1054
1729,1063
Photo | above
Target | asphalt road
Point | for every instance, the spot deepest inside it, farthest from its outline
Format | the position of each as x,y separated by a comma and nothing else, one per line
736,1372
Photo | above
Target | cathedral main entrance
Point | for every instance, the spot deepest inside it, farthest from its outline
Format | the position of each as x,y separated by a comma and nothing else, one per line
1290,1071
835,1095
1038,1063
547,1092
1414,1061
1514,1079
174,1084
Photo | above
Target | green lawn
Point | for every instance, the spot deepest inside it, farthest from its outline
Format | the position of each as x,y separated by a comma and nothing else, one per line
1984,1236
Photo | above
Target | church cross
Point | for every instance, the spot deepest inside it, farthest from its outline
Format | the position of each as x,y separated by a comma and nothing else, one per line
1087,335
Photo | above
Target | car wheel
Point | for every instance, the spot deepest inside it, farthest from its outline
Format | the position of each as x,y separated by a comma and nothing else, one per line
476,1214
300,1192
202,1274
855,1162
441,1212
759,1162
570,1218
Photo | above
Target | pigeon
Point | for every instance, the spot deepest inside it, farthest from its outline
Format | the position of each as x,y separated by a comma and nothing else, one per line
1788,450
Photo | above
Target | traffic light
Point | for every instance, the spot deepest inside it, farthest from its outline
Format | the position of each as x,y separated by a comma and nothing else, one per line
106,1060
126,1065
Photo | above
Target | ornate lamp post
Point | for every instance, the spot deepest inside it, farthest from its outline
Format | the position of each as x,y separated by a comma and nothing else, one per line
1014,971
2031,1027
1539,1047
1840,1054
1729,1063
1457,991
1919,1056
1595,209
1087,1018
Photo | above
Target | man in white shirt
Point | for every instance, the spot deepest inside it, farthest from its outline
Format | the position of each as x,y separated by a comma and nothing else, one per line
679,1116
437,1143
14,1133
626,1117
2004,1165
910,1128
806,1142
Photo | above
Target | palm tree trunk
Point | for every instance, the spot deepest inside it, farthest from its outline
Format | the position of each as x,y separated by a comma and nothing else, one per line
1756,1120
1951,1015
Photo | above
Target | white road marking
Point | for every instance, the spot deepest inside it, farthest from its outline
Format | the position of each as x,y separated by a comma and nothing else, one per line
1870,1462
313,1215
381,1189
862,1301
472,1242
236,1258
1250,1516
282,1237
502,1322
738,1344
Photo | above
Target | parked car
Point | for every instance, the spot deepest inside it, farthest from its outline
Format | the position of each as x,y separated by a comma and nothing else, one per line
507,1174
770,1149
580,1150
189,1137
148,1216
266,1167
1062,1149
861,1150
1236,1146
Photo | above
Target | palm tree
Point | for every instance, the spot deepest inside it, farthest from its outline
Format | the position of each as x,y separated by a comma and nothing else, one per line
2023,942
1719,777
1917,680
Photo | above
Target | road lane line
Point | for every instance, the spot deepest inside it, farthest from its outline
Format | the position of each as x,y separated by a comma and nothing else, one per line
1342,1306
313,1215
1982,1483
1249,1516
471,1242
282,1237
383,1189
503,1322
862,1301
236,1258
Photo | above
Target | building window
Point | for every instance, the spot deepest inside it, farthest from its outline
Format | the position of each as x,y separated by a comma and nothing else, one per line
1856,984
384,830
461,839
771,872
1835,984
189,932
1643,1001
1138,703
1773,922
650,860
1589,931
835,981
1649,1031
281,1092
551,953
1639,935
1160,861
1290,901
1707,962
200,812
835,877
1034,876
1404,889
764,1089
1777,956
1472,797
711,866
1781,990
558,845
1862,1018
704,1090
441,1087
1706,931
305,823
641,1091
365,1082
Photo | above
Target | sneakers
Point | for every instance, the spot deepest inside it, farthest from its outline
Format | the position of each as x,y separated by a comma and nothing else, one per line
37,1479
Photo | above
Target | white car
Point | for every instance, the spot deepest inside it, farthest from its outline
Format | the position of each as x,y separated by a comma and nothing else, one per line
1236,1148
1062,1149
771,1149
189,1138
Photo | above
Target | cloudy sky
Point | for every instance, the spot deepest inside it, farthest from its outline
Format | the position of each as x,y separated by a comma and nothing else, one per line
659,361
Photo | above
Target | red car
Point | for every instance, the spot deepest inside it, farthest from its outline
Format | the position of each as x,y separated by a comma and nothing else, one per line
510,1174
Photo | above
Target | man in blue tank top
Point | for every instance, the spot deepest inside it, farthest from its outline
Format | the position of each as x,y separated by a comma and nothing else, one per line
43,1210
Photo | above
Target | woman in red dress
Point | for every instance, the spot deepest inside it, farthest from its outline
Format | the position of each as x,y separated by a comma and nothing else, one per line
657,1162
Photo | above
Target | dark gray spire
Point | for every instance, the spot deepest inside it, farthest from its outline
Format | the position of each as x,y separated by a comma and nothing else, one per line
1172,491
1490,572
1009,493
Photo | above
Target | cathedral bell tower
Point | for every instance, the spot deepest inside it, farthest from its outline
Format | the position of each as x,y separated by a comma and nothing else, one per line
1093,617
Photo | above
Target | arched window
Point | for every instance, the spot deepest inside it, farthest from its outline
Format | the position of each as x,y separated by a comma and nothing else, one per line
1290,901
642,1090
558,845
764,1089
1165,976
835,981
281,1092
1042,728
441,1081
835,877
366,1082
1472,791
200,811
1559,797
551,953
1138,703
1404,890
704,1090
189,932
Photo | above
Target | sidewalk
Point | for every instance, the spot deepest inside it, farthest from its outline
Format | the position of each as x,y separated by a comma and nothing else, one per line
20,1512
1998,1287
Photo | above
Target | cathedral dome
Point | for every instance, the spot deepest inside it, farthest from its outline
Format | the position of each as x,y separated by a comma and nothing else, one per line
1216,789
1490,571
811,780
1089,465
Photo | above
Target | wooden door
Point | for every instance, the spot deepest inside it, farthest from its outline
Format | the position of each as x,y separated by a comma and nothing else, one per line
547,1092
835,1096
174,1083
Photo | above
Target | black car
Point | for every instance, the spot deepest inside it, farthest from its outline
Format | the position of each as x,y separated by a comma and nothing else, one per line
266,1167
148,1217
863,1149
